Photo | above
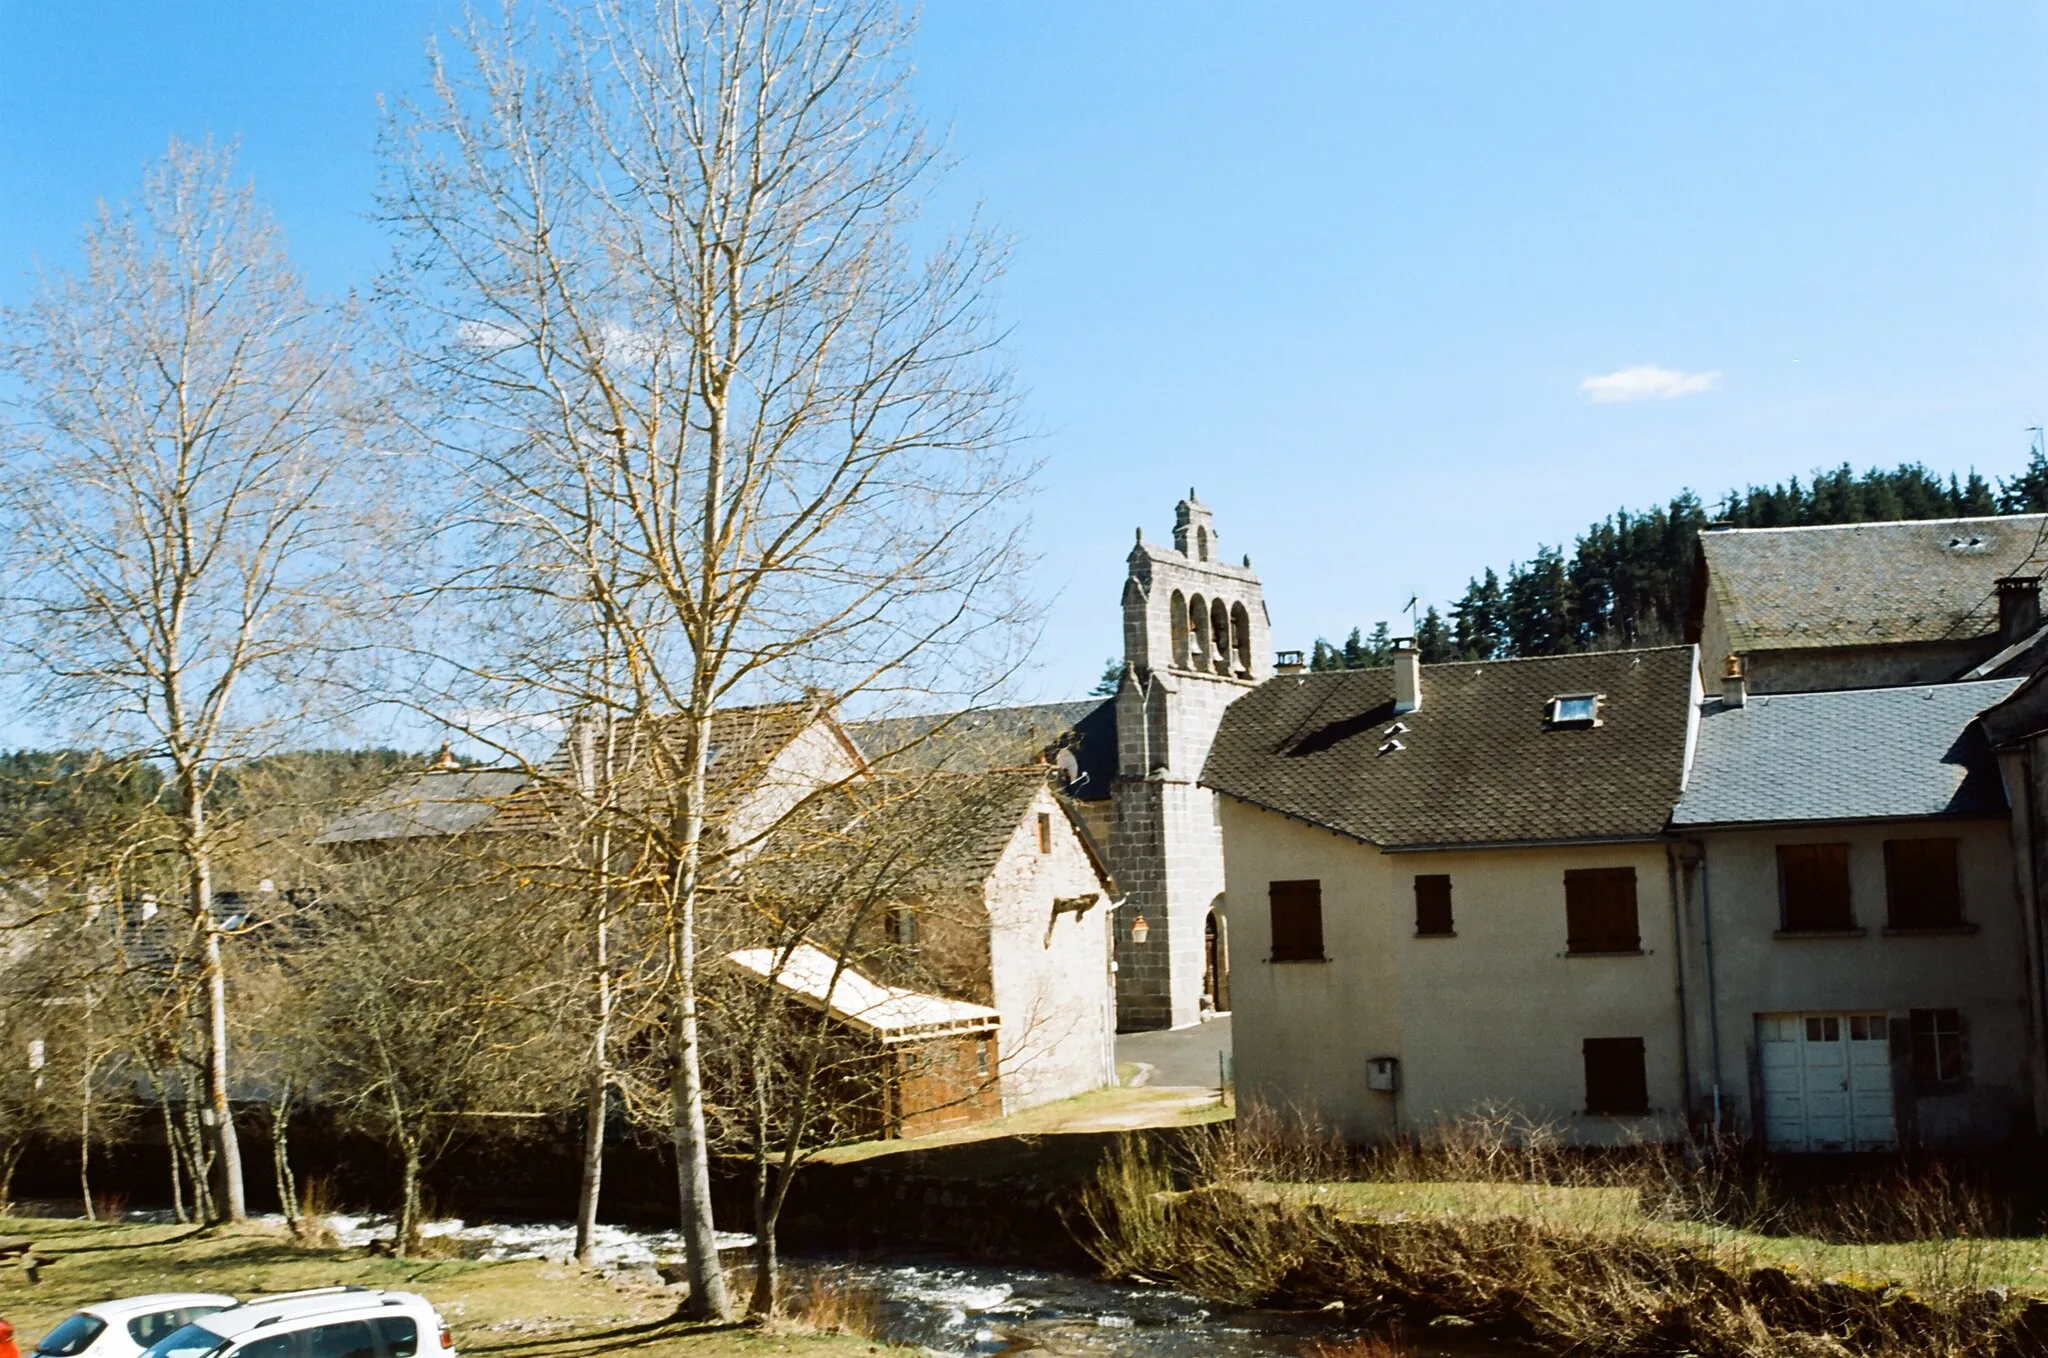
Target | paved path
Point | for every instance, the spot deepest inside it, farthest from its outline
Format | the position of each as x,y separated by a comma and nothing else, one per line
1182,1058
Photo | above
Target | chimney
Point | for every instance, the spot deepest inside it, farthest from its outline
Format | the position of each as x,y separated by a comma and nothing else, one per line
1734,688
1288,662
2019,607
445,762
1407,675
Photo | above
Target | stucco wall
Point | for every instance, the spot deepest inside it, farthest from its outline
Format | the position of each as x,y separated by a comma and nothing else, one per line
1495,1014
1051,976
816,757
1981,973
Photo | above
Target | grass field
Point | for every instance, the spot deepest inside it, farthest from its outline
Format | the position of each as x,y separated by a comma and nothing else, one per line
2016,1262
525,1309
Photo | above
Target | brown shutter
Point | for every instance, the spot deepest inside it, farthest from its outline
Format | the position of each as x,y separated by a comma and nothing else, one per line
1297,915
1921,886
1600,910
1433,903
1813,883
1616,1081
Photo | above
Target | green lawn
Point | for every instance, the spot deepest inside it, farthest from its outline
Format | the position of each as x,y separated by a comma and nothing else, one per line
526,1309
2017,1262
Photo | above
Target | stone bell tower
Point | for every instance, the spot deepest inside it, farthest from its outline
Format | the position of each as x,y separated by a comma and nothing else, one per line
1195,639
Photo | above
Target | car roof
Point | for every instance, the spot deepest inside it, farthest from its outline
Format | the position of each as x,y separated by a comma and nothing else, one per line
344,1302
127,1308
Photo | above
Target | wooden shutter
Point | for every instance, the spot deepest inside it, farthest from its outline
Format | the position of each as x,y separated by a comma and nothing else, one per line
1433,903
1297,913
1922,889
1813,883
1600,910
1616,1081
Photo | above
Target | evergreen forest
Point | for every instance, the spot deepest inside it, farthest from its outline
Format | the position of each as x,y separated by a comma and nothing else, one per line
1628,579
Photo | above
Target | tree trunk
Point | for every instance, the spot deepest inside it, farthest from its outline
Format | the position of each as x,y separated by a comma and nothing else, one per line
85,1148
163,1099
233,1204
280,1155
707,1299
594,1102
767,1275
408,1234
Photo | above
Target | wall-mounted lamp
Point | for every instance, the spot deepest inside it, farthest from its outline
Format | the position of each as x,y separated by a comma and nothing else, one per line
1140,931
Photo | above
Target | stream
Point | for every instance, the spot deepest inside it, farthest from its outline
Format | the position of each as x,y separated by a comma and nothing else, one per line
952,1307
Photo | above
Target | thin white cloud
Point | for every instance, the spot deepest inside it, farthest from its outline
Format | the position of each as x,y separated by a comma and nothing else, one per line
1647,381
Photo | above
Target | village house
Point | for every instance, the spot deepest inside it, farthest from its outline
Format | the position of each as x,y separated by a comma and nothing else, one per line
1857,963
1012,899
1001,901
1450,886
1871,605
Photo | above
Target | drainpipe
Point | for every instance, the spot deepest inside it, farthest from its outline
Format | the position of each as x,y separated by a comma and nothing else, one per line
1713,996
1678,969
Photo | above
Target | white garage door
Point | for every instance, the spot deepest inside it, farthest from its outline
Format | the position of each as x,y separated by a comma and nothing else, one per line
1827,1082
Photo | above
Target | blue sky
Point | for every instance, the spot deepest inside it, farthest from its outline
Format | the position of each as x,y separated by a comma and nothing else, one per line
1345,268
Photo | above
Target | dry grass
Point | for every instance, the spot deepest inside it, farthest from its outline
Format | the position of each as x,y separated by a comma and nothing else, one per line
524,1309
1647,1250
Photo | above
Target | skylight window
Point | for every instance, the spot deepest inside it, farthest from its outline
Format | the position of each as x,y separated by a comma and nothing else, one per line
1575,709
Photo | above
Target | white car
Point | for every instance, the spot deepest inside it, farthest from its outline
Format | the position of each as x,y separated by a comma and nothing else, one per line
328,1322
124,1328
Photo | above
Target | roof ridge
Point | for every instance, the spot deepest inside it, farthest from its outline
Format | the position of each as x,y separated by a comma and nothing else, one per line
1871,523
1496,660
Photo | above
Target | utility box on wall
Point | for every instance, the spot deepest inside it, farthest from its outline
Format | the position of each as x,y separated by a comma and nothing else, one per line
1383,1073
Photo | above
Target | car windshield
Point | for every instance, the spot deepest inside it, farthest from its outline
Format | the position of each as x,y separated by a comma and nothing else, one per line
73,1336
193,1341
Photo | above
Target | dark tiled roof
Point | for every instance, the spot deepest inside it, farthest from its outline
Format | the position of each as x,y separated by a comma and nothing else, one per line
946,831
1865,583
744,741
427,804
999,738
1478,764
1862,754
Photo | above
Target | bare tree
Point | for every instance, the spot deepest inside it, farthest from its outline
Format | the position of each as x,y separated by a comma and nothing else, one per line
183,547
715,416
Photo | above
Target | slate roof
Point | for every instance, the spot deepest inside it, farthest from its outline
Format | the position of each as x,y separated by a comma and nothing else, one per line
1478,764
950,828
1860,754
1863,583
890,1013
427,804
999,738
744,741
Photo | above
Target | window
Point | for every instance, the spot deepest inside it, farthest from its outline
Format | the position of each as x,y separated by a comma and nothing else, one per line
1575,709
1432,903
1297,920
981,1058
1615,1077
1922,889
1813,888
1600,910
147,1329
73,1336
401,1335
1936,1044
344,1339
899,925
269,1346
1045,832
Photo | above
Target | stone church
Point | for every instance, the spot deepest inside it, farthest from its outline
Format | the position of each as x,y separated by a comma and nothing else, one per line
1196,638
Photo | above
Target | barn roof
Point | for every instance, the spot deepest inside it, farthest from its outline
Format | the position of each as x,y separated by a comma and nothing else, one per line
892,1014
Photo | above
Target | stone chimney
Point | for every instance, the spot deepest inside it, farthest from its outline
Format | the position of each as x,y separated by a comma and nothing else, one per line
1288,662
2019,607
1407,675
1734,688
